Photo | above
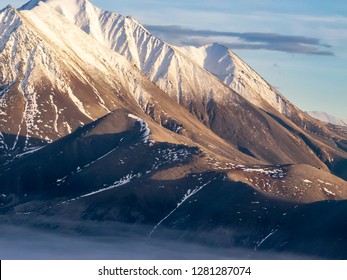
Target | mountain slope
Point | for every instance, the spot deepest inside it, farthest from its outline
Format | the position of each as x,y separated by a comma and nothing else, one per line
37,72
99,176
236,74
239,76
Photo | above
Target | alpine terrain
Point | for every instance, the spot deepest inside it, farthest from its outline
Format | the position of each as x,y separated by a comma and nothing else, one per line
324,117
104,126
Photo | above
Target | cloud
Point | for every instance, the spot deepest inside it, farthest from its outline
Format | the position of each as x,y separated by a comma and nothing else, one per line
246,40
28,243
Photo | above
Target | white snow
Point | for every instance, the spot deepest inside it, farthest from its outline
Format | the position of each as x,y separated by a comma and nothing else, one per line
121,182
307,181
188,195
78,103
55,124
235,73
144,127
2,142
69,129
62,179
272,172
273,231
329,192
326,183
29,151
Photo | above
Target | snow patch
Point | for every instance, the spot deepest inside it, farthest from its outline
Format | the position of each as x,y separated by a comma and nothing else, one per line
55,124
125,180
329,192
272,172
144,128
29,151
77,102
273,231
188,195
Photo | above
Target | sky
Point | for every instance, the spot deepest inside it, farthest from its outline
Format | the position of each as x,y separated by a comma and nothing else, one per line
298,46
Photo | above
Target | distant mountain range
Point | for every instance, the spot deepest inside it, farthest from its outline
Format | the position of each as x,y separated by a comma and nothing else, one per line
324,117
101,122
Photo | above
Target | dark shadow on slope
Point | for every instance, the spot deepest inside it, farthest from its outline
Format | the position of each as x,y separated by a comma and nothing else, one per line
222,215
267,137
338,167
225,214
246,151
316,150
342,144
13,145
35,171
89,160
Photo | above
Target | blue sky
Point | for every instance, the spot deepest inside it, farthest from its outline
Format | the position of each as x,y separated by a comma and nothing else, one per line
299,46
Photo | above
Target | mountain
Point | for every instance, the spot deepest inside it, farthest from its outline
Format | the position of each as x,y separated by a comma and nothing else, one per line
324,117
175,70
184,80
104,123
62,81
235,73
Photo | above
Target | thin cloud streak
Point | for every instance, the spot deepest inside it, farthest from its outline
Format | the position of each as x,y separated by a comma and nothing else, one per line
249,40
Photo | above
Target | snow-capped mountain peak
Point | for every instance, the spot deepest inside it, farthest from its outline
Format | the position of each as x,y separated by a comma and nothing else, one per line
169,66
213,57
109,28
81,12
236,74
160,62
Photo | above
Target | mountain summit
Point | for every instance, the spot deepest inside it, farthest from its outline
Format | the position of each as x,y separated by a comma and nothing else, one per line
101,121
